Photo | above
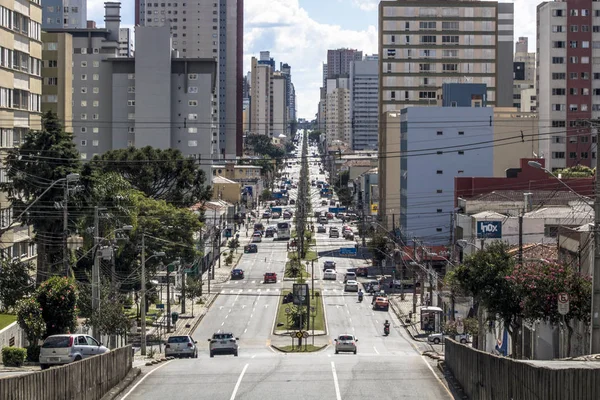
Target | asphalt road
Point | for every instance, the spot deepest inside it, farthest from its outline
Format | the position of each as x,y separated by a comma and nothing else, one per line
384,368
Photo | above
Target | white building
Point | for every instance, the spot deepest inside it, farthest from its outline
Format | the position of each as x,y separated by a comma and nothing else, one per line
260,99
364,89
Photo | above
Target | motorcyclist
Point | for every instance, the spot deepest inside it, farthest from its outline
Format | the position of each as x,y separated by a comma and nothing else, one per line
386,326
360,294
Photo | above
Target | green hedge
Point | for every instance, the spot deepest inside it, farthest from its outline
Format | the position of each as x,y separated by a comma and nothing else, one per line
13,356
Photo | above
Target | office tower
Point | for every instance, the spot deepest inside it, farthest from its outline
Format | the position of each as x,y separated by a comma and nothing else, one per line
338,61
568,81
364,87
208,29
260,98
67,14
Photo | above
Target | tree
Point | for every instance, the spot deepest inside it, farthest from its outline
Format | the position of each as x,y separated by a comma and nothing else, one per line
15,283
233,244
577,171
57,298
110,318
315,136
30,319
265,195
378,247
43,158
263,145
159,174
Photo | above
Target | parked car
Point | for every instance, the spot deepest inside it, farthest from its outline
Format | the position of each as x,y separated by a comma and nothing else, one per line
330,274
181,346
223,343
251,248
270,277
321,229
437,338
345,342
328,265
64,349
256,237
351,286
237,273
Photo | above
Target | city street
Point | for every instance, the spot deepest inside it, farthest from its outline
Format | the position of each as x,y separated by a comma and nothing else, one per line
384,367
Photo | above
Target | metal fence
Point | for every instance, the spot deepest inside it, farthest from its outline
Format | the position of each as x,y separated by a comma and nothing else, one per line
485,376
89,379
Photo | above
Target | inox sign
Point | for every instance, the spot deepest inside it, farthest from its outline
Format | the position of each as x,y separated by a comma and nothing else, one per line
489,229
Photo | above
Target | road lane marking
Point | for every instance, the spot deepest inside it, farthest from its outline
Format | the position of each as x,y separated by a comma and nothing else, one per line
239,381
222,323
335,382
245,330
374,348
142,380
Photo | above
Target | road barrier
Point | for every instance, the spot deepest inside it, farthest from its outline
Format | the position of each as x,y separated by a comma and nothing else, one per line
484,376
89,379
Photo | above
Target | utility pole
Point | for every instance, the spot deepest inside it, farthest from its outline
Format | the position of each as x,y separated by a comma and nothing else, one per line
183,291
168,299
595,339
66,228
312,277
96,269
143,299
521,238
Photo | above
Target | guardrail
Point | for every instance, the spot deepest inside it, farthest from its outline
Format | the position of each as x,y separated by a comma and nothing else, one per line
89,379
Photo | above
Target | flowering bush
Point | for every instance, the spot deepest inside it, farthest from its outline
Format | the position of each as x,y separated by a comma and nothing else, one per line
57,298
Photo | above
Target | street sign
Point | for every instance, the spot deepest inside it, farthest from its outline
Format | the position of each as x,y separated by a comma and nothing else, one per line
299,334
288,310
348,251
460,326
160,306
305,334
293,335
563,303
300,291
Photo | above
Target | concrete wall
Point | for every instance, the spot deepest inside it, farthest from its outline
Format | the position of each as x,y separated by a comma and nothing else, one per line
11,332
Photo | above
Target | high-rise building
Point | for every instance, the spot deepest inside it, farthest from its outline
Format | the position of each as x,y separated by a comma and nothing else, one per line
208,29
422,46
125,43
337,122
66,14
279,110
57,73
524,77
20,99
153,99
364,87
260,98
568,79
325,72
338,61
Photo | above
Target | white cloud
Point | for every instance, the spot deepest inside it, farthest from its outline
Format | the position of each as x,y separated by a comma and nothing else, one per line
292,36
367,5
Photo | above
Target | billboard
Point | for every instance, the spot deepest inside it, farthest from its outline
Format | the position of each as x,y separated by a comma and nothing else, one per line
489,229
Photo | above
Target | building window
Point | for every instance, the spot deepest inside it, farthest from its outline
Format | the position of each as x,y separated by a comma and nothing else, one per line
461,152
96,64
83,116
192,129
131,129
192,103
572,155
192,77
130,76
439,191
83,103
440,133
83,129
83,156
95,143
95,130
584,154
96,103
83,64
83,143
131,116
558,154
439,172
95,116
131,103
193,89
84,90
131,89
96,90
95,77
192,143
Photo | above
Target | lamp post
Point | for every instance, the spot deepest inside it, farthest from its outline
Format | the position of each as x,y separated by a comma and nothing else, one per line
67,179
143,294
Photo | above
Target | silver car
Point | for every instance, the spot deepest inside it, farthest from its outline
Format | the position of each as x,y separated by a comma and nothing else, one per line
345,342
223,343
181,346
64,349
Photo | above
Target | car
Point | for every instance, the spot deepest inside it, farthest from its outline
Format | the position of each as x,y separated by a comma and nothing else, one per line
181,346
345,342
405,284
348,235
237,273
373,286
287,215
266,214
351,286
270,277
321,229
256,237
334,233
251,248
223,343
350,276
328,265
437,338
362,271
65,349
275,215
330,274
329,215
270,232
381,303
323,202
323,220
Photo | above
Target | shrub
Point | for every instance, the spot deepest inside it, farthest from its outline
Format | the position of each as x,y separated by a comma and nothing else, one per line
33,353
13,356
58,302
229,259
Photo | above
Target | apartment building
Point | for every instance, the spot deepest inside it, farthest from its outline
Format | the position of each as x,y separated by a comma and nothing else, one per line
260,98
364,87
423,45
125,43
20,105
208,29
64,14
338,126
568,81
57,73
338,61
280,126
524,97
154,99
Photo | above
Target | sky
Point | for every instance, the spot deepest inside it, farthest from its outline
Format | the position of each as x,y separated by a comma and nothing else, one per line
299,32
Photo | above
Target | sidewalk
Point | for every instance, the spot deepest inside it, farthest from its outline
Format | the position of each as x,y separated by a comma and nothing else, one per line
411,321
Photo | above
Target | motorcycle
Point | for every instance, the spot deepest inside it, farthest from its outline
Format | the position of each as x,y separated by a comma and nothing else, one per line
386,330
360,298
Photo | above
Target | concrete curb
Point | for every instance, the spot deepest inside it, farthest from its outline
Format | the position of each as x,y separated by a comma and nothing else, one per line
399,315
299,352
124,384
288,334
201,317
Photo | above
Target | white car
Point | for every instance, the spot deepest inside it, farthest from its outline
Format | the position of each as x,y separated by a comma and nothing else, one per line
345,342
64,349
351,286
223,343
181,346
436,338
330,274
256,238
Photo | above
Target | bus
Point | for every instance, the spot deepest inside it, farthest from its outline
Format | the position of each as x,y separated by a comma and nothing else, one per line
283,230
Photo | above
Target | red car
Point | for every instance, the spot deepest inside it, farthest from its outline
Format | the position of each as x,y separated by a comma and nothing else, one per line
329,215
270,277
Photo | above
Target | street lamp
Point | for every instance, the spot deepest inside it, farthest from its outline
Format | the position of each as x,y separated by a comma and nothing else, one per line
143,294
